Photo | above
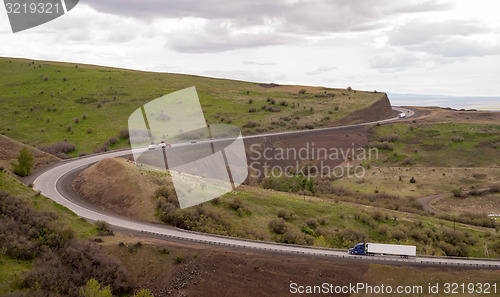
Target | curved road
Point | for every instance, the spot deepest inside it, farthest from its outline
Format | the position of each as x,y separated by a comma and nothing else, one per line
47,182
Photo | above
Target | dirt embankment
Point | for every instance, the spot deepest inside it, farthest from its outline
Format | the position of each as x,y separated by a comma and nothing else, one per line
218,271
9,151
117,186
380,110
324,149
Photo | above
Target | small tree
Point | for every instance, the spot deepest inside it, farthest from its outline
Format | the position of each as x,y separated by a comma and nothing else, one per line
25,163
93,289
412,180
144,293
310,185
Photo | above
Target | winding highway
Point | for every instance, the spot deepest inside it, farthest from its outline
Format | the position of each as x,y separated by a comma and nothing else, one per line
49,183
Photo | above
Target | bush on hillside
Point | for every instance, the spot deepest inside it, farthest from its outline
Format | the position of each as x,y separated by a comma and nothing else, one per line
278,226
59,149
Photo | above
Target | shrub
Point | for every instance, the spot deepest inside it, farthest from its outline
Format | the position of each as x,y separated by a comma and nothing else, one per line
382,145
84,117
250,124
90,130
457,139
252,109
59,149
68,128
113,140
350,236
124,134
76,120
278,226
409,161
102,148
103,226
236,203
179,259
285,214
93,289
293,237
389,138
302,91
495,188
457,193
349,88
312,222
283,103
398,234
378,215
250,101
412,180
383,229
25,163
365,218
166,192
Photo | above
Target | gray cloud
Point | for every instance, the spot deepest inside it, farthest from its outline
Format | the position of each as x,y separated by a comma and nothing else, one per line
397,60
259,63
281,18
220,37
460,47
451,38
321,70
259,11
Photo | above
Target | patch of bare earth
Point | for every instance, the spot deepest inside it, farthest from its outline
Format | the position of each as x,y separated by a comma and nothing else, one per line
189,269
9,151
116,185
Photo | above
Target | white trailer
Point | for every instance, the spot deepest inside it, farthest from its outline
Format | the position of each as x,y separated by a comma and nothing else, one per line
390,249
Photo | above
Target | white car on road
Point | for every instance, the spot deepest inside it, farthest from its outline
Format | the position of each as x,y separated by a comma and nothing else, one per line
152,147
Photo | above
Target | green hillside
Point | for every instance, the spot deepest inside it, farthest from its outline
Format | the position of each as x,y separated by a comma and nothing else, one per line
47,102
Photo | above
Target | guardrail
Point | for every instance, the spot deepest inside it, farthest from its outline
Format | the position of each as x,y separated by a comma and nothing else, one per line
321,251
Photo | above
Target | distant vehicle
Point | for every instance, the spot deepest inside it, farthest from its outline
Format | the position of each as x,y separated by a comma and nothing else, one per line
402,115
371,249
152,147
193,141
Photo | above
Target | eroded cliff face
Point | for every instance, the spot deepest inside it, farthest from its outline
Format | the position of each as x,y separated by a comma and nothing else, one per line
380,110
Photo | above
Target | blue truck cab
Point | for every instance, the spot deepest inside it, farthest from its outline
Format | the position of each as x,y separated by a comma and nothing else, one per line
358,249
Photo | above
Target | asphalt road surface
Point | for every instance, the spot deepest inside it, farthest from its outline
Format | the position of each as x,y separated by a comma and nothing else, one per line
48,182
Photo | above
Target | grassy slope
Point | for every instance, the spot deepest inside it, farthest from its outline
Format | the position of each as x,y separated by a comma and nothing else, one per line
78,91
261,206
440,164
11,269
248,211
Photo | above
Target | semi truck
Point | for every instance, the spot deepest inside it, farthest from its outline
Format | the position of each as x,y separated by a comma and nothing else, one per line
372,249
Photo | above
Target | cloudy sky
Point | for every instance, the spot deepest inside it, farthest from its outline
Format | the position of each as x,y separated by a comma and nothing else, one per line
446,47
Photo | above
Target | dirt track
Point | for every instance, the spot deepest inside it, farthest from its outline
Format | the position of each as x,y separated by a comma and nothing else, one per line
425,201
